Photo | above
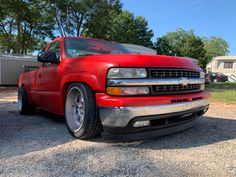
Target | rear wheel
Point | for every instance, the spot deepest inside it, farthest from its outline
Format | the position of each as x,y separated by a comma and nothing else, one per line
23,103
81,112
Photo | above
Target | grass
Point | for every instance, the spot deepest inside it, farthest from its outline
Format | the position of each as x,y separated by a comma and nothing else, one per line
224,96
222,92
222,85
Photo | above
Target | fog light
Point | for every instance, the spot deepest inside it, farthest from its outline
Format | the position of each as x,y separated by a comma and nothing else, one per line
202,87
135,90
142,124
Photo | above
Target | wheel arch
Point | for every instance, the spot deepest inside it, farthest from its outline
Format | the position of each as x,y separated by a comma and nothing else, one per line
87,79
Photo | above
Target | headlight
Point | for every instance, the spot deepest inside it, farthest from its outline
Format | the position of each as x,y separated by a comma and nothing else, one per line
123,91
127,73
202,75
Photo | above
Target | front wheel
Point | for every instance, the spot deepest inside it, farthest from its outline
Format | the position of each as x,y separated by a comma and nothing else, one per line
81,112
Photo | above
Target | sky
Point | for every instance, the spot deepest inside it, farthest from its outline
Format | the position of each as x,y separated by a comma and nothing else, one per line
206,17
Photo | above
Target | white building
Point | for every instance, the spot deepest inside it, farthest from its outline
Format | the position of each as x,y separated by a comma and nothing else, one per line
11,66
225,65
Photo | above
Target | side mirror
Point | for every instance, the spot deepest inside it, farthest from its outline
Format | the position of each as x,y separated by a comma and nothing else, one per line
48,57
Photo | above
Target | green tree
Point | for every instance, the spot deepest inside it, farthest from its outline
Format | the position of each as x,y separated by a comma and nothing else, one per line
84,17
100,19
23,23
214,46
181,43
126,28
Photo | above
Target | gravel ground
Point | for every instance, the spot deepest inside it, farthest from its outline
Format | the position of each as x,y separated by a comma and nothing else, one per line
40,145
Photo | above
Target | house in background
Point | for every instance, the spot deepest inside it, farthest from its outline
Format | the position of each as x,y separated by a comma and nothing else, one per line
11,66
225,65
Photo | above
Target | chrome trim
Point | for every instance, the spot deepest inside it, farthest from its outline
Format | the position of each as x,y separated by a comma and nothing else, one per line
146,82
120,116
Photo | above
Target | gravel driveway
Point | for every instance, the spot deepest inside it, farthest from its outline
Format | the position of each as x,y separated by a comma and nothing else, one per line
40,145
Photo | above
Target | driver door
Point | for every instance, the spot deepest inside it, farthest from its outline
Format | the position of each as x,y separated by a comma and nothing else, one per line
48,81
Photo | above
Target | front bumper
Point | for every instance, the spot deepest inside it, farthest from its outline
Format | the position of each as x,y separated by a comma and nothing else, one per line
165,119
121,116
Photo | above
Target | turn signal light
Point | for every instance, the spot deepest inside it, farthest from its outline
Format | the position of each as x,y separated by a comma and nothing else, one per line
124,91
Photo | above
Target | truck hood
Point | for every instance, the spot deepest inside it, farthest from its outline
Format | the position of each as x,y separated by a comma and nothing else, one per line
138,60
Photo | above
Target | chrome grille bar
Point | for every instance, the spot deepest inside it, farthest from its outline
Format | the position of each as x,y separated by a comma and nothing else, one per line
165,73
148,82
176,87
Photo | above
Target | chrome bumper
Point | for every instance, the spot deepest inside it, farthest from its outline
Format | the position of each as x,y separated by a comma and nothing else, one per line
121,116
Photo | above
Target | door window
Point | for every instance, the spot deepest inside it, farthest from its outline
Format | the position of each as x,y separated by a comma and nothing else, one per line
54,47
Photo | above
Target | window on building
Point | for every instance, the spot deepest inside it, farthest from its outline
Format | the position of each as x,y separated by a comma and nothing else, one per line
228,64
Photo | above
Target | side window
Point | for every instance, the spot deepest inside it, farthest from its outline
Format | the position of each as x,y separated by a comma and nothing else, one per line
228,65
54,47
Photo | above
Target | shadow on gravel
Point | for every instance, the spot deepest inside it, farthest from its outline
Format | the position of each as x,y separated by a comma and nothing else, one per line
209,130
96,160
50,116
24,134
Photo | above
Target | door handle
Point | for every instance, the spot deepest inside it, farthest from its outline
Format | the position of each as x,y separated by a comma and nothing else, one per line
39,76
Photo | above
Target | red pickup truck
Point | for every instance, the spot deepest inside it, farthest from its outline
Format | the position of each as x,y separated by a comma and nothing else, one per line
100,87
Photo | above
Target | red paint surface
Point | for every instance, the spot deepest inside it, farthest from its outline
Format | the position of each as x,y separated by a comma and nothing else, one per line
46,87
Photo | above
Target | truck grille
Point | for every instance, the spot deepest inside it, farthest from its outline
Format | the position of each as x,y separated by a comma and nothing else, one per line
159,73
161,81
174,89
173,73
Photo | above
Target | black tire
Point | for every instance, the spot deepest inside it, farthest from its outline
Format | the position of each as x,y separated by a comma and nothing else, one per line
89,125
24,107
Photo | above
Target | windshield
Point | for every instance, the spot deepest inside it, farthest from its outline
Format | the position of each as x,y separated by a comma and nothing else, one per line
75,47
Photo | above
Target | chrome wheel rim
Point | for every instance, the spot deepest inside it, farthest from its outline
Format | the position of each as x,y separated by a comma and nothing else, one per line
75,109
19,102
